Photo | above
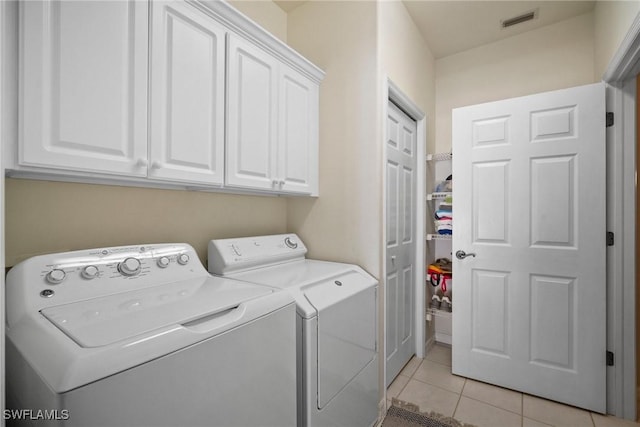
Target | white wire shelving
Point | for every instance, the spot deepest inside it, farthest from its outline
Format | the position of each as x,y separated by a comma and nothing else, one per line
439,156
438,195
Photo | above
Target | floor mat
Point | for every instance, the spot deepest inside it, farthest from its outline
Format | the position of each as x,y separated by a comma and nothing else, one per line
402,414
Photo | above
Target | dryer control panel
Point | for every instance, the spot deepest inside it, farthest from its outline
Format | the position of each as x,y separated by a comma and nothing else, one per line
228,256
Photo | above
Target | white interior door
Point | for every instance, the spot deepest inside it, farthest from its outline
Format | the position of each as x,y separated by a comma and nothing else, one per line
529,199
401,239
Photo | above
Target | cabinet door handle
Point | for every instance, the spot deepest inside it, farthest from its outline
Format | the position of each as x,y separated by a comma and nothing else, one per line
156,165
274,183
142,163
281,183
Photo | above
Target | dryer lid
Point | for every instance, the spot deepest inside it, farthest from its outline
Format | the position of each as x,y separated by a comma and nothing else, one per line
298,277
102,321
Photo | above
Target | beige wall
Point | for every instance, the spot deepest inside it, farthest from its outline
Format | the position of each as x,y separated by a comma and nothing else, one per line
43,217
46,217
612,22
553,57
344,223
358,44
266,14
407,60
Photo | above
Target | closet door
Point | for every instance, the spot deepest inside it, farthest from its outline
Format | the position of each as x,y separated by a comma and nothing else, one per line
83,85
401,149
252,119
187,95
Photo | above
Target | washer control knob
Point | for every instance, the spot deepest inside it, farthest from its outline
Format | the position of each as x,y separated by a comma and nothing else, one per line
90,272
163,262
183,259
290,243
55,276
129,267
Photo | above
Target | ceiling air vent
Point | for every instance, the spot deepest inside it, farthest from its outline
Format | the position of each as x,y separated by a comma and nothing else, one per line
506,23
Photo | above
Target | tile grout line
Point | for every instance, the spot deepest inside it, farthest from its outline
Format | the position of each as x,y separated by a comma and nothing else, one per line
408,381
402,389
435,361
440,386
492,405
459,399
461,392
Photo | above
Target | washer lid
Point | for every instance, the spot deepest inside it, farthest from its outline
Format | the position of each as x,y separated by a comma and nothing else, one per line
102,321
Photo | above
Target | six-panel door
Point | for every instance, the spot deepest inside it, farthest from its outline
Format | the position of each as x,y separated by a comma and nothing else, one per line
529,199
401,143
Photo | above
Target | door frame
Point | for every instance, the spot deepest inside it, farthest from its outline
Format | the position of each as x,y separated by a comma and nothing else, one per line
621,204
392,93
8,133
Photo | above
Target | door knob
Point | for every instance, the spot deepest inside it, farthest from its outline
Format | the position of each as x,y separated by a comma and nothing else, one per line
393,259
463,254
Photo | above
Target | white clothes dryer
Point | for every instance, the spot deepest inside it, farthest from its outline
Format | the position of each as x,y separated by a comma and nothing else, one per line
144,336
336,324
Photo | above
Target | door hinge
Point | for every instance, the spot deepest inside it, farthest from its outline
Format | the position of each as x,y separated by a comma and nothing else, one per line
609,119
610,238
609,358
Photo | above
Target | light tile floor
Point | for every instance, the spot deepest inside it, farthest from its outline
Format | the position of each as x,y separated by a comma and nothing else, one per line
429,384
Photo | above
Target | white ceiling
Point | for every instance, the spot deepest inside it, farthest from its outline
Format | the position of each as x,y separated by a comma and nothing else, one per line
452,26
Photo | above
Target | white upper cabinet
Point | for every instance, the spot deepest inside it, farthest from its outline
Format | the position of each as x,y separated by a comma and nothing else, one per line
272,123
252,101
165,94
187,95
83,82
298,133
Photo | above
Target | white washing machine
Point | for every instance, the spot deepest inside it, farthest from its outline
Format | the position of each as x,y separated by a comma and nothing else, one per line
144,336
336,324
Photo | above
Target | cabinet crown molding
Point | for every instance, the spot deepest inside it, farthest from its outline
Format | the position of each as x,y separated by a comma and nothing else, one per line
241,24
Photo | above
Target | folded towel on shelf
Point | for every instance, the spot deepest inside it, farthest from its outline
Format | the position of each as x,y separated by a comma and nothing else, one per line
444,214
445,230
445,209
444,226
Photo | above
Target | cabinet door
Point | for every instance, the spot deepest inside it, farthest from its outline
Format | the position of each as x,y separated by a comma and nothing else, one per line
84,85
187,95
251,116
298,133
